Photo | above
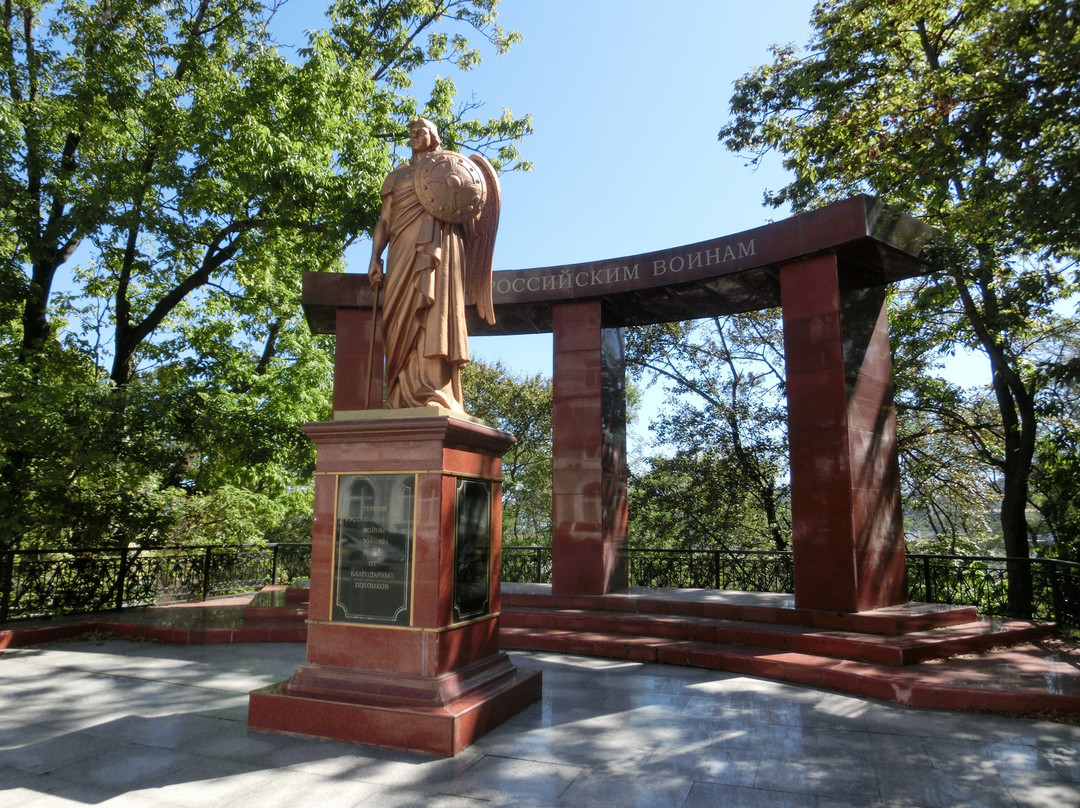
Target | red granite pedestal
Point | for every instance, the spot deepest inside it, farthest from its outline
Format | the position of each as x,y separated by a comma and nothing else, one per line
403,627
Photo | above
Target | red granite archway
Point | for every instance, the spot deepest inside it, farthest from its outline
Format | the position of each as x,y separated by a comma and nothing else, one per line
827,269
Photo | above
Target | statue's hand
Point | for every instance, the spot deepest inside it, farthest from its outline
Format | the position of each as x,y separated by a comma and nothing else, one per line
375,272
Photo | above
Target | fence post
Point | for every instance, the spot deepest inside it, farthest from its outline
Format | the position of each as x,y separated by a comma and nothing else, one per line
206,574
9,575
929,589
273,568
121,577
1057,589
716,569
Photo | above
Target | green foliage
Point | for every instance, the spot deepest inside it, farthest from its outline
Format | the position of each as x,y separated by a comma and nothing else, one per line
167,174
174,457
76,469
522,406
1056,493
699,500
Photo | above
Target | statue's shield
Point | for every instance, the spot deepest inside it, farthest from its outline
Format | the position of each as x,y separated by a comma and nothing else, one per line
450,187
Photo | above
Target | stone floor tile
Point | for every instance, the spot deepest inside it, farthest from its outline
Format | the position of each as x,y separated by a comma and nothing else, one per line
284,787
913,787
1046,795
233,741
385,767
166,726
530,782
601,791
16,795
735,766
213,786
50,753
843,777
165,731
1065,760
405,797
712,795
123,767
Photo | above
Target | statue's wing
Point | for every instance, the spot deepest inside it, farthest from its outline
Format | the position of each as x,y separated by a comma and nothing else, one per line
480,243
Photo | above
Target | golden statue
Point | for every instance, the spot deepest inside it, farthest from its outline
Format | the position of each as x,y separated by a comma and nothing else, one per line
439,216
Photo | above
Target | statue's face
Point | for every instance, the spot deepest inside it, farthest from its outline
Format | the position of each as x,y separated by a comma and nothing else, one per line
420,139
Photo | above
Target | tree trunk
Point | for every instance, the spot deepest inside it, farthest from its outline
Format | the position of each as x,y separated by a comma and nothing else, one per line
1019,452
35,318
1016,404
769,504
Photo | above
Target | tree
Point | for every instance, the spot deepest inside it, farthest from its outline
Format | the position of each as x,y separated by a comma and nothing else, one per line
725,421
522,406
184,171
964,113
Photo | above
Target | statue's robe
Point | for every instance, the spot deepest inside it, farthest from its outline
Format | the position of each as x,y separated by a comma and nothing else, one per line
423,310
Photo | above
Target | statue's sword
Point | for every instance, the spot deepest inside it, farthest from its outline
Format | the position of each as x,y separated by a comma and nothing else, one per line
371,347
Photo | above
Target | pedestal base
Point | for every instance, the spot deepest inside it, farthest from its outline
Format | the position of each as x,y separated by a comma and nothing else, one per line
403,628
441,730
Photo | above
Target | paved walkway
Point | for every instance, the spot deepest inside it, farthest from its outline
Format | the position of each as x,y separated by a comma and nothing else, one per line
106,722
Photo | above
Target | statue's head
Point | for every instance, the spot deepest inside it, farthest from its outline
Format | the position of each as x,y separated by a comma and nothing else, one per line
417,138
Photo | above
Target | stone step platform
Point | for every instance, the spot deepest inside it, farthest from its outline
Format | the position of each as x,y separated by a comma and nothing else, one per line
218,621
608,631
278,604
1041,678
910,655
901,635
754,607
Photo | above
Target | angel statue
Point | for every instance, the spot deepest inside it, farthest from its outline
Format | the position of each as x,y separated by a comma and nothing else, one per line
439,217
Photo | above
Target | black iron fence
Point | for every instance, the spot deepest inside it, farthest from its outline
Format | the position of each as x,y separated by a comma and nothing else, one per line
526,565
982,580
962,580
41,583
741,570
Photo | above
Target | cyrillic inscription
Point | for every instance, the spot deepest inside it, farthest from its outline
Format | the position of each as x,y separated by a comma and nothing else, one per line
568,279
373,548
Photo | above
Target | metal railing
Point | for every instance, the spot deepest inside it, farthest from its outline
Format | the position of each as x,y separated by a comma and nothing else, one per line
741,570
42,582
37,583
980,581
526,565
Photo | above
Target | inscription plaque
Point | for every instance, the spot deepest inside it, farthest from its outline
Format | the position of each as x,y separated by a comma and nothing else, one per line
373,548
472,550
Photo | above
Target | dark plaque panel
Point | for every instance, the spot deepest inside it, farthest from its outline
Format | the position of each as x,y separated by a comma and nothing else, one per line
472,550
374,537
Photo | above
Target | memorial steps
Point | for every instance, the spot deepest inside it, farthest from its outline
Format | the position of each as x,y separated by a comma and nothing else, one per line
900,635
922,655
